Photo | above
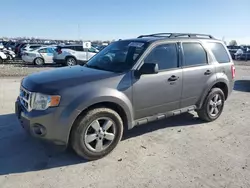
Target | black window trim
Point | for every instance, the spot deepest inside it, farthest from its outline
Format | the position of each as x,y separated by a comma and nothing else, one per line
183,56
177,53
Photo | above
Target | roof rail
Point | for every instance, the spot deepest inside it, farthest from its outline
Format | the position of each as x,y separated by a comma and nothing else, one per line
173,35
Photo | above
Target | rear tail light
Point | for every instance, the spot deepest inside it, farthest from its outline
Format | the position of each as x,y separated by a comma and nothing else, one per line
233,71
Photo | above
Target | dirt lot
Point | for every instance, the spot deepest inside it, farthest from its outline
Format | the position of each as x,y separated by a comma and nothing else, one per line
181,152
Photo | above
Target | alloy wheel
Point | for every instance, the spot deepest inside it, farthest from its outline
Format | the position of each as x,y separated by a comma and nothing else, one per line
100,134
215,105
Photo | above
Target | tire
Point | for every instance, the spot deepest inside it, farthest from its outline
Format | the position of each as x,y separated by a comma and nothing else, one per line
1,60
39,61
71,61
83,129
208,112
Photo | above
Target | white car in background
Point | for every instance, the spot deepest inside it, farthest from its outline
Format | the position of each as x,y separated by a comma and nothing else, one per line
39,56
28,47
73,54
3,57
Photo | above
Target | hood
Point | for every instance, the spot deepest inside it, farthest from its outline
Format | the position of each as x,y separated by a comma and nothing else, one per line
52,81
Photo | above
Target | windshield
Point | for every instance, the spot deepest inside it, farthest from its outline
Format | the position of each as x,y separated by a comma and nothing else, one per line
119,56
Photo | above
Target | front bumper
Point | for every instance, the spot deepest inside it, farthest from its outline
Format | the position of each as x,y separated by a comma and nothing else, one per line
46,125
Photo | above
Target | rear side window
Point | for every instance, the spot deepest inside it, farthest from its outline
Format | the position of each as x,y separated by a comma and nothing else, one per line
219,52
194,54
78,48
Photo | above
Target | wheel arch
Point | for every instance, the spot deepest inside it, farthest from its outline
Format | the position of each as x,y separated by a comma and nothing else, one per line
70,56
222,84
107,104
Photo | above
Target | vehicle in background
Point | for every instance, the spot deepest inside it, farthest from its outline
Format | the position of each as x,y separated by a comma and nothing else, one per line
232,50
129,83
11,45
9,53
18,49
28,47
3,57
243,54
73,54
39,56
101,47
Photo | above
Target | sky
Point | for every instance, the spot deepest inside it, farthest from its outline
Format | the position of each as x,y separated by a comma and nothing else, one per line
115,19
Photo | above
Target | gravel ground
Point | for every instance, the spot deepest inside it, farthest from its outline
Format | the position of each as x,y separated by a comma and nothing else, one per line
180,152
20,69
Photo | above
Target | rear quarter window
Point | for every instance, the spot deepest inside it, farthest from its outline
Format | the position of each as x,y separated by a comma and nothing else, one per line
219,51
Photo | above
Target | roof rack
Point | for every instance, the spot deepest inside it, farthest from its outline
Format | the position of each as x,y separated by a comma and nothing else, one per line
174,35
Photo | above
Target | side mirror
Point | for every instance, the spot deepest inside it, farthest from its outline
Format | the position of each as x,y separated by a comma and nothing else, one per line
149,68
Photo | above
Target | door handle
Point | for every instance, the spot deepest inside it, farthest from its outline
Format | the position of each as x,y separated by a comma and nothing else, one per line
173,78
208,72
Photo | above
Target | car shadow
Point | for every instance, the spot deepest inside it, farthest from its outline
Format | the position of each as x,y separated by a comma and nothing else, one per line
20,152
242,85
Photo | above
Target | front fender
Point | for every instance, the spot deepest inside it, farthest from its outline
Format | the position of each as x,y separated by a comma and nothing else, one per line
89,98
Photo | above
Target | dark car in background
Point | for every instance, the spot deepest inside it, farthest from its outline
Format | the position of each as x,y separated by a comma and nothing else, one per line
232,50
244,55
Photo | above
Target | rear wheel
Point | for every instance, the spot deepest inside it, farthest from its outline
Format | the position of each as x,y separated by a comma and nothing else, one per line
97,133
39,61
70,61
212,106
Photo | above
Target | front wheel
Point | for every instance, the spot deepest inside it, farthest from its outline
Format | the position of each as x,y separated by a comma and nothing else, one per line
97,133
212,106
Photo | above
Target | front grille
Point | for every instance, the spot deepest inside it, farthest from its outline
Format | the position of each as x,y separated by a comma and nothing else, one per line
25,98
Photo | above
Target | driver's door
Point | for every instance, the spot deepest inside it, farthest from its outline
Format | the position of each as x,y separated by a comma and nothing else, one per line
158,93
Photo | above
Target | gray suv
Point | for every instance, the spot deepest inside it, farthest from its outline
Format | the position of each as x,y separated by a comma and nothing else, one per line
129,83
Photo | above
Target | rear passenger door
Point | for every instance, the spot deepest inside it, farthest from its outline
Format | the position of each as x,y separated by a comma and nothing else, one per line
197,72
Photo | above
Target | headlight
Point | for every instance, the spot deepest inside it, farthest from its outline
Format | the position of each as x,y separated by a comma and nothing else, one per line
42,101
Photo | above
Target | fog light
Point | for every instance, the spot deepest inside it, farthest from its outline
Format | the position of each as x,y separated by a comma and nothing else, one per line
38,130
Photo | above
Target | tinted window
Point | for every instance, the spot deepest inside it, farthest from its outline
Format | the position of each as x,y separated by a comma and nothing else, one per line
219,52
78,48
194,54
165,55
32,47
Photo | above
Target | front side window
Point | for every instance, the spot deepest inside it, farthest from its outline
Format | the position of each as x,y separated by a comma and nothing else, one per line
119,56
194,54
164,55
